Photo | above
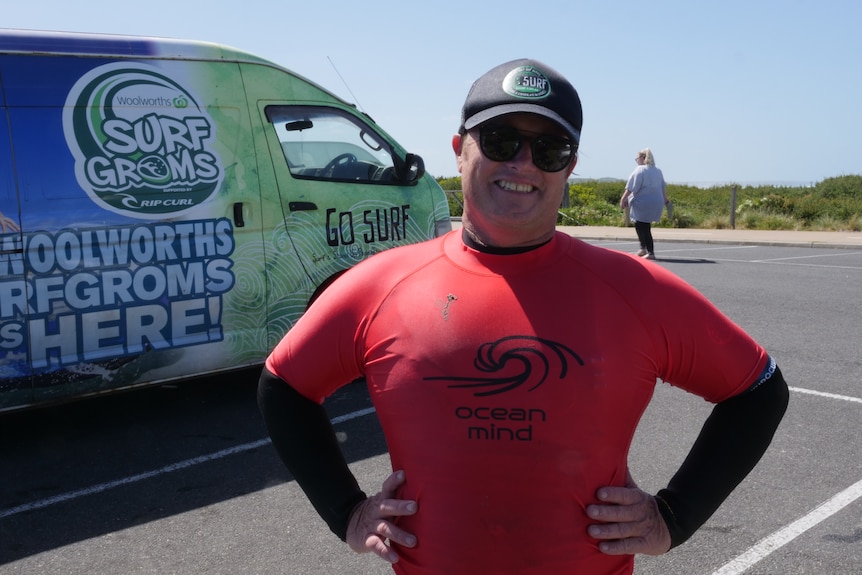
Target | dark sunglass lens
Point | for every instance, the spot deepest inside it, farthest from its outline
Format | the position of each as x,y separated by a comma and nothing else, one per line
551,154
500,144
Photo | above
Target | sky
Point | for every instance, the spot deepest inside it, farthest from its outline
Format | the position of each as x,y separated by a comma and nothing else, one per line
739,91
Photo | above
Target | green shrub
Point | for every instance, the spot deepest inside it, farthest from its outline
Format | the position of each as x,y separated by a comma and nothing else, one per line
834,204
840,187
764,220
595,213
715,223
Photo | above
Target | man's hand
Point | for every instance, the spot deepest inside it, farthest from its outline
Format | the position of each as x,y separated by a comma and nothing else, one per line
370,523
631,522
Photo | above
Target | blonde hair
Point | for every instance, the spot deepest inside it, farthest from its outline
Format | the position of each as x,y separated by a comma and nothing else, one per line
646,154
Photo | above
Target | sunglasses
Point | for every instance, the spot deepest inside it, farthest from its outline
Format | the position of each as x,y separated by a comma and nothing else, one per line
549,153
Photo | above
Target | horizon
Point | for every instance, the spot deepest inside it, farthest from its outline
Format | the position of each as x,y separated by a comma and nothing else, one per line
737,91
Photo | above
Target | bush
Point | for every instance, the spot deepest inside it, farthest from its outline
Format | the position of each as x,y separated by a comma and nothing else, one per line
840,187
596,213
763,220
454,196
833,204
715,223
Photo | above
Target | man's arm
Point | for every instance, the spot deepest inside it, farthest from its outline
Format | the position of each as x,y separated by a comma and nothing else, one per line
305,441
731,442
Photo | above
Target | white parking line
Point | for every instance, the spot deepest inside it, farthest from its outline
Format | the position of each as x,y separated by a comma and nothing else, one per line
711,248
825,394
156,472
132,479
815,256
352,415
787,534
775,261
823,266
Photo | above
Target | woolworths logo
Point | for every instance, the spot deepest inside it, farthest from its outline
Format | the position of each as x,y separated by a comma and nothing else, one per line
142,143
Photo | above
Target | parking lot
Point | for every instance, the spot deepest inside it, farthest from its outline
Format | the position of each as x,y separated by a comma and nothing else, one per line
182,479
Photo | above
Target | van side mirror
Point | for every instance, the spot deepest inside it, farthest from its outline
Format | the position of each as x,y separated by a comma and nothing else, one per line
409,170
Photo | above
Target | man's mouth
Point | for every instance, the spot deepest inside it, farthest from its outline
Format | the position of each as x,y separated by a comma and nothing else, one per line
513,187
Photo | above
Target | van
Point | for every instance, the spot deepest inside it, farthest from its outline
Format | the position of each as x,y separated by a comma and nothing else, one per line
169,208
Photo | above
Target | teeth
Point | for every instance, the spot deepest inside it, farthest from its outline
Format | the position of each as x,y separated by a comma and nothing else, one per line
513,187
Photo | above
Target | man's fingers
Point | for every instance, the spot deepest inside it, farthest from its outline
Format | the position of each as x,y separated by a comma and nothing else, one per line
371,529
384,504
394,508
621,495
396,534
630,522
621,504
392,483
379,547
615,530
624,546
376,541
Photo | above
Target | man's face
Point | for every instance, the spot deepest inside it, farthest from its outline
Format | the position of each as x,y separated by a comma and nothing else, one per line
512,202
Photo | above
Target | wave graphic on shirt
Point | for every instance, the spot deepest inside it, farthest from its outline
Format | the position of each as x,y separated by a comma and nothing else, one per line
538,359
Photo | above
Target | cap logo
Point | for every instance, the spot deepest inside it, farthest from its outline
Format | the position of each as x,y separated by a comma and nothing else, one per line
527,82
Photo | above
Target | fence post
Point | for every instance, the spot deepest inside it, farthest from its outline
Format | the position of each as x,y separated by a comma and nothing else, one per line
733,207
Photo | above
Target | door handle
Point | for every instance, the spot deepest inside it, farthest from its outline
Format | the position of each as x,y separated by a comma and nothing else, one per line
301,206
238,220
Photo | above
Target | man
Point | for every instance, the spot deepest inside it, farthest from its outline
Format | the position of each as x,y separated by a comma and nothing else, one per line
509,365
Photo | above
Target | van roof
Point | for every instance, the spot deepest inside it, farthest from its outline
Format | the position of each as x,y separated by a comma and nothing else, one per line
46,42
80,43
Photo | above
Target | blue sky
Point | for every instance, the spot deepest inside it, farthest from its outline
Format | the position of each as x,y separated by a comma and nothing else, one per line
744,91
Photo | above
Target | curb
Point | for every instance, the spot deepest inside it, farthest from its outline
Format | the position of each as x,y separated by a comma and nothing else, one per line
798,243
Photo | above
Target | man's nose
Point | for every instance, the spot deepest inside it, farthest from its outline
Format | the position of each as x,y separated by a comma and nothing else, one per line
524,157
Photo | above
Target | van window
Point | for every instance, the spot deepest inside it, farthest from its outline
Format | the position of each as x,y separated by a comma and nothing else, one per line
329,144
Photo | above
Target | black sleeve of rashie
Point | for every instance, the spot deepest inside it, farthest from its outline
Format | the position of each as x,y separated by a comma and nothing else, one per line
306,442
732,441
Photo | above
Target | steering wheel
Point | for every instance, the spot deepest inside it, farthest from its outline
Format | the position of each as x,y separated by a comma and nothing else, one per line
338,160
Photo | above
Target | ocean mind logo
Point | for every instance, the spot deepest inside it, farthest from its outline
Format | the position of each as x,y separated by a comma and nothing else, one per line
142,143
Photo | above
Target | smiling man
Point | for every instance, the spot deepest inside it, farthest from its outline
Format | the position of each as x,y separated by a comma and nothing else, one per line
529,125
510,365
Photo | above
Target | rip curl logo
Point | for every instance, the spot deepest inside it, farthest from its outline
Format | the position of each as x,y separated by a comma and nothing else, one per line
527,82
519,361
142,143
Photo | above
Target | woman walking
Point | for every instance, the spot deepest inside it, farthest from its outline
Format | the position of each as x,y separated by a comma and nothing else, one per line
646,196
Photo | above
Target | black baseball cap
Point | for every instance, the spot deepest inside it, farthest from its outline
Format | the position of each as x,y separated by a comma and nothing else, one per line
524,85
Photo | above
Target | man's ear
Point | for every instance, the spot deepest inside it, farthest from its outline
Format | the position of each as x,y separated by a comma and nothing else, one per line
572,169
457,143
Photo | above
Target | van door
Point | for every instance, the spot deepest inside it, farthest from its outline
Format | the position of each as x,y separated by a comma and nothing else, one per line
15,381
342,195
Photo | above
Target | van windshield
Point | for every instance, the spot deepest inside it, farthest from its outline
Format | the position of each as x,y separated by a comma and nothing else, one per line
329,144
